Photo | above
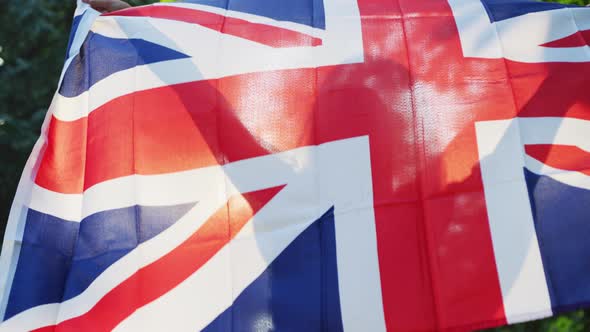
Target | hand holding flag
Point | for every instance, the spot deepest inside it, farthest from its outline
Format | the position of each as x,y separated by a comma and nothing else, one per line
107,6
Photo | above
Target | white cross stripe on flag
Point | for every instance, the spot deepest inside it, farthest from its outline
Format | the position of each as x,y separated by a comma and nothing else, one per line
335,174
502,159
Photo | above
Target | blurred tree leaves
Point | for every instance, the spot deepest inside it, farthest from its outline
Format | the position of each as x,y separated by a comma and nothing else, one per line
33,38
578,321
571,2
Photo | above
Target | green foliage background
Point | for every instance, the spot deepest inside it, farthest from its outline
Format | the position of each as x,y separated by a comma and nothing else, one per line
33,38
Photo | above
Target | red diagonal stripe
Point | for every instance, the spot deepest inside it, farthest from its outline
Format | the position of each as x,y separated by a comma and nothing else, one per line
62,165
148,132
173,268
177,128
260,33
565,157
581,38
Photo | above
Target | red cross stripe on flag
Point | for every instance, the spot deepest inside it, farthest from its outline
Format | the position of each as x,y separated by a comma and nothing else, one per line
326,165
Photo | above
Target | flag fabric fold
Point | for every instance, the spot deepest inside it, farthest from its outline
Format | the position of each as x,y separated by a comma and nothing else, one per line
325,165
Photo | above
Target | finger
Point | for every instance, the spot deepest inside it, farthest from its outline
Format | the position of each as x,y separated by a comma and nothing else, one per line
108,5
87,2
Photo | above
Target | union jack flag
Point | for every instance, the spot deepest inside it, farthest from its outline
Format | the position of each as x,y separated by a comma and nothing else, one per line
325,165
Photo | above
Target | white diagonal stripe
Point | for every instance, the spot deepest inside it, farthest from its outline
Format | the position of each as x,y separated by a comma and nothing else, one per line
224,55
